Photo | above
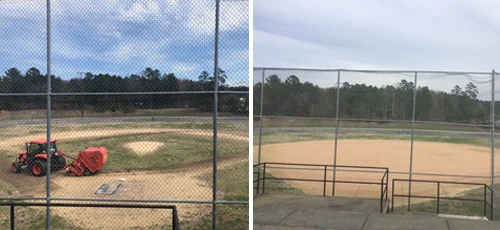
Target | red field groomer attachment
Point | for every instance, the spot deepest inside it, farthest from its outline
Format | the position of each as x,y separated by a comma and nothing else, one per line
88,162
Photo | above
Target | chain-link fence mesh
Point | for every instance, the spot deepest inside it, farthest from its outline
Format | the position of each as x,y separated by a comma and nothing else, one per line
132,113
426,125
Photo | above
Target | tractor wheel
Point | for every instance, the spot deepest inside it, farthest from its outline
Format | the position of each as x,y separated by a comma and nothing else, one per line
58,163
16,167
38,167
87,172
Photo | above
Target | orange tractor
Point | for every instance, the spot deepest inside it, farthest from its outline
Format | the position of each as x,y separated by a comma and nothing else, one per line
88,162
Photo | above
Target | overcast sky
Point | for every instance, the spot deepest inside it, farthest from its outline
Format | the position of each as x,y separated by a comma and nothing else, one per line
383,34
125,37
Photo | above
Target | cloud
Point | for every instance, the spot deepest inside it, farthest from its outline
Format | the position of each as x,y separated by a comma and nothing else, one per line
451,35
118,36
140,11
180,67
232,14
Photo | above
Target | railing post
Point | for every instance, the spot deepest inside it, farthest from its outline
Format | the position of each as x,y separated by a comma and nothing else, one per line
264,179
175,219
258,180
484,205
12,219
491,204
324,182
381,195
387,184
392,198
333,184
438,192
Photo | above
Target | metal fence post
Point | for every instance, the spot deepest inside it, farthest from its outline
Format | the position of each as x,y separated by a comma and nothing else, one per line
47,217
260,119
216,108
336,132
412,135
492,139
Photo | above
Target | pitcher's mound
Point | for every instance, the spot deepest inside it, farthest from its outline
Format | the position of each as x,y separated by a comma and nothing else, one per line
142,148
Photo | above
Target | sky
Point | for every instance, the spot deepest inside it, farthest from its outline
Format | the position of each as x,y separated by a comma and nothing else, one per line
123,37
445,35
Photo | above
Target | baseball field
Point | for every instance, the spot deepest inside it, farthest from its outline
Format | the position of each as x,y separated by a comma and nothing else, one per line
432,155
155,160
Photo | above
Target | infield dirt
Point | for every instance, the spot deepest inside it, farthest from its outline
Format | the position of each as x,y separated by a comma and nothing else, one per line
428,157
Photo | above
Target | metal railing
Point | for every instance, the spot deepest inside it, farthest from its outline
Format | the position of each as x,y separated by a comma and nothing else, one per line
438,196
384,181
12,205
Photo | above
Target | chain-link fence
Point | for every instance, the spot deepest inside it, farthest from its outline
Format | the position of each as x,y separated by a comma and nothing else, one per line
147,104
422,125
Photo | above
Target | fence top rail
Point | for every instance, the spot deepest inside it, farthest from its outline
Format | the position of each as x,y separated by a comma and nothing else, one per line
320,165
442,182
89,205
370,71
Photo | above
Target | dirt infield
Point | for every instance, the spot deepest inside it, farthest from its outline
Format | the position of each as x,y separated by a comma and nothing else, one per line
428,157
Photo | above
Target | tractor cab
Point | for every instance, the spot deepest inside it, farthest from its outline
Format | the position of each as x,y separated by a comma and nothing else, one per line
35,147
35,157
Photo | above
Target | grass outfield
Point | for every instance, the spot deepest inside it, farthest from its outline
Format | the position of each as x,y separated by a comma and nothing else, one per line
288,137
330,123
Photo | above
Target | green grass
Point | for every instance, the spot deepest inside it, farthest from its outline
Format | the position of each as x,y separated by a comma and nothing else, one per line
330,122
232,185
274,186
284,137
6,188
178,149
33,219
41,114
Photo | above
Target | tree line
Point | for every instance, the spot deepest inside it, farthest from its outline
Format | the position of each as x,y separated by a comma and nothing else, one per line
291,97
13,81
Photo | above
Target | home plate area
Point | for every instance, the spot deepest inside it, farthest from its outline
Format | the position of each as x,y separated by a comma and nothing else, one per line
108,189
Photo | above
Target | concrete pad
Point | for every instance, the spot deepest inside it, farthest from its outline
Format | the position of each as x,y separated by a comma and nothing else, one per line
274,227
457,224
326,220
410,221
270,216
292,201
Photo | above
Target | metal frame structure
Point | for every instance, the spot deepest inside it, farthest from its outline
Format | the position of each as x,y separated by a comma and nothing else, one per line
12,205
438,196
413,121
384,181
